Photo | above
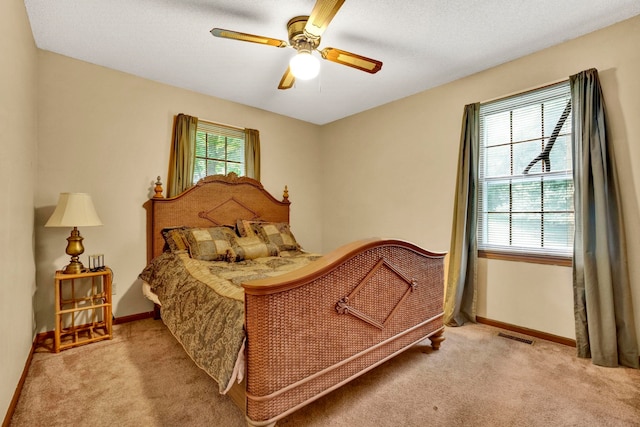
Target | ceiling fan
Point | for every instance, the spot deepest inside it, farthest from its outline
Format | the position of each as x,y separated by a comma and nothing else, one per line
304,36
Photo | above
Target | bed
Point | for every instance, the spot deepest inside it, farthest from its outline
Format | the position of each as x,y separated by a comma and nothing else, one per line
308,323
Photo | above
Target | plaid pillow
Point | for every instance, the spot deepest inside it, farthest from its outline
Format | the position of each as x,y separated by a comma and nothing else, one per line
277,233
211,244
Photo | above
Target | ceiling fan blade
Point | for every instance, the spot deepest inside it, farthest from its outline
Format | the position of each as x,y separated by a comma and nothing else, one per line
287,80
351,60
235,35
322,13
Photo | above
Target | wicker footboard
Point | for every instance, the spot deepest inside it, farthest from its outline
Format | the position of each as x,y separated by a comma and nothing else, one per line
317,328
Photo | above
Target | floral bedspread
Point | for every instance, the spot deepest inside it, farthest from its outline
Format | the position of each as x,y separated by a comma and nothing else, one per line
203,303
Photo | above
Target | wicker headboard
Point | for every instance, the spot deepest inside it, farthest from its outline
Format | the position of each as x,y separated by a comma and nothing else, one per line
214,200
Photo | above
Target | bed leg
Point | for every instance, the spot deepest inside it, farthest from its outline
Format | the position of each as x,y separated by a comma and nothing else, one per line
436,339
156,312
251,423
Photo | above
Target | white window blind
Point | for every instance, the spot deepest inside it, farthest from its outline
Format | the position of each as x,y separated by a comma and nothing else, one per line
219,150
525,197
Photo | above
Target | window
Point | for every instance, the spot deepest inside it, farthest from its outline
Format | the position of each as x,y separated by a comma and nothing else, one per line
219,150
525,197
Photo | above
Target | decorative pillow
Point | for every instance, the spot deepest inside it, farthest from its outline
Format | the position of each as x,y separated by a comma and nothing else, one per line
211,244
175,239
246,227
252,248
277,233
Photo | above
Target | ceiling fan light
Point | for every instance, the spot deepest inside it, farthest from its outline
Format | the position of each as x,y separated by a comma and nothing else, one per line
304,66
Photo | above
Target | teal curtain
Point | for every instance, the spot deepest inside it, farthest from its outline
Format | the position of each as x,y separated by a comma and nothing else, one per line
461,287
252,153
605,328
182,156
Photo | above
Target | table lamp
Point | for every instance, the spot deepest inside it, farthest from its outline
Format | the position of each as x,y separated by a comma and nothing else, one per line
74,210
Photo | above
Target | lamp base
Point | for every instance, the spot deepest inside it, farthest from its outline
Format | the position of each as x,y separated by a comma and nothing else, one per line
74,267
75,249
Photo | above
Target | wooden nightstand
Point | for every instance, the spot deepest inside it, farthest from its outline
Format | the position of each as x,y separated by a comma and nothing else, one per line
83,308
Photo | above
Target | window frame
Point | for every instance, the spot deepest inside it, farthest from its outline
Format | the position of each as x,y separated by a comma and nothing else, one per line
511,252
219,131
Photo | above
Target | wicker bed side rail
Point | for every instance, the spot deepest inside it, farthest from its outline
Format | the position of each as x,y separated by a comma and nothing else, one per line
314,329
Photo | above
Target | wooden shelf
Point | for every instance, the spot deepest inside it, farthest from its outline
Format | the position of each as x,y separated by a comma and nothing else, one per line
83,314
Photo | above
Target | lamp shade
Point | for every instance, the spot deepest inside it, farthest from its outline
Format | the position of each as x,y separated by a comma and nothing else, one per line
74,210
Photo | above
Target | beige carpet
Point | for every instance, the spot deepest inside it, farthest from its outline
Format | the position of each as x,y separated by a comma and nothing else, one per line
143,378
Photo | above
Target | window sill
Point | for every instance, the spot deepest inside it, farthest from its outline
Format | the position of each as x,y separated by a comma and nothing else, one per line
530,258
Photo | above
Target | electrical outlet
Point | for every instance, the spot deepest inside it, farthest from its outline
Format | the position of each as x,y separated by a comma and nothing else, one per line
114,287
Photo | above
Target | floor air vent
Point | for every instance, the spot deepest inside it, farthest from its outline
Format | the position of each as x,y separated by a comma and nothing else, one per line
511,337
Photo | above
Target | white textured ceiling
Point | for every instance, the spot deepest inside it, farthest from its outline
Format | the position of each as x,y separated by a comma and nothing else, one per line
422,43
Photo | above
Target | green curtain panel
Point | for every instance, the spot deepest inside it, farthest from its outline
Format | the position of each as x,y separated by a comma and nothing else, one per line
461,287
182,156
252,153
602,297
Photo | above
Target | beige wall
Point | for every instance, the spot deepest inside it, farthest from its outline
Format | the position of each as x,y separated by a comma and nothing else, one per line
392,170
18,135
108,133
